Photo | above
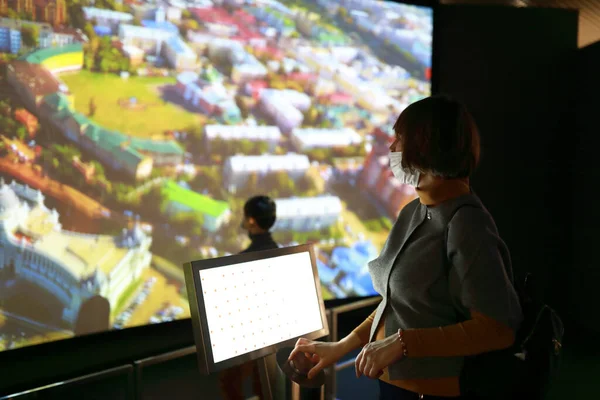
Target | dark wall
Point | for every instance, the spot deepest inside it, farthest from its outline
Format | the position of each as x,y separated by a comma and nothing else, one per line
55,361
514,69
584,279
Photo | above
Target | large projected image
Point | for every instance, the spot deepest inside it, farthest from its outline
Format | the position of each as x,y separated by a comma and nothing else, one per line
132,132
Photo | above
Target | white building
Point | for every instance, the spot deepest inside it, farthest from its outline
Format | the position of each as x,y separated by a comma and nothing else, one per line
238,169
285,107
179,54
244,65
248,69
311,138
368,94
307,214
71,266
150,40
212,98
108,18
269,134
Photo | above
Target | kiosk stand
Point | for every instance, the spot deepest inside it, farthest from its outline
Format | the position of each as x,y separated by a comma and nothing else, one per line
264,379
248,306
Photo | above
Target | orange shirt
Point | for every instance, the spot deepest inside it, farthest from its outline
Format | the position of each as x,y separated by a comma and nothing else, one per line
478,335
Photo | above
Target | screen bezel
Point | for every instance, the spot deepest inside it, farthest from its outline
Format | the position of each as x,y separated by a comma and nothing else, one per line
197,305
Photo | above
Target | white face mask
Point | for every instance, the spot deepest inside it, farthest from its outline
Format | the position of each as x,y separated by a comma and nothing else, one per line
404,176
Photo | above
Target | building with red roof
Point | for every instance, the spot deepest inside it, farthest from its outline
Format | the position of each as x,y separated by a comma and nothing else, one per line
254,88
270,52
237,24
337,99
302,77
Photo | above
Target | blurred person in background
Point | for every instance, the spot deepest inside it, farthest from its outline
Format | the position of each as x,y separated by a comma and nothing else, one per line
259,216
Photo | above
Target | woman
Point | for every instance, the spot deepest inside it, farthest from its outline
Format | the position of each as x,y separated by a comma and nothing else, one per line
444,273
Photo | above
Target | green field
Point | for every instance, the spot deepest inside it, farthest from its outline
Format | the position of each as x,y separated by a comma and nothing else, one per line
107,90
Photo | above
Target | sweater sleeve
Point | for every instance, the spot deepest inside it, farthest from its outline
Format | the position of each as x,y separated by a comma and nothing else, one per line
363,331
480,274
478,335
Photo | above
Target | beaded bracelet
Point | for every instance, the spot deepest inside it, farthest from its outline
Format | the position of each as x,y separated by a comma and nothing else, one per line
402,343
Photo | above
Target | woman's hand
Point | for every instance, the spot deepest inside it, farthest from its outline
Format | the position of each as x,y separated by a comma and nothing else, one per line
323,354
378,355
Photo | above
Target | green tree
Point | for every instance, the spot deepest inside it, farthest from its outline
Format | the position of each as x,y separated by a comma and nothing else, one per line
124,64
191,24
12,14
320,155
5,108
76,16
306,184
246,146
89,31
218,146
88,62
310,116
197,224
30,35
242,105
21,133
99,170
251,184
262,147
105,65
281,70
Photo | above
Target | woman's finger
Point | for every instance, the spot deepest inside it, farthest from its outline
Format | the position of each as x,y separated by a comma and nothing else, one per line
302,348
357,364
364,362
315,370
374,372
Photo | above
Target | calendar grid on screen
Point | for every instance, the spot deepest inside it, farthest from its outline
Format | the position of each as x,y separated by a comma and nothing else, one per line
259,303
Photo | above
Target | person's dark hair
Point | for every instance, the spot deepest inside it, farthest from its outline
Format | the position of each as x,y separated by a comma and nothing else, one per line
262,209
438,136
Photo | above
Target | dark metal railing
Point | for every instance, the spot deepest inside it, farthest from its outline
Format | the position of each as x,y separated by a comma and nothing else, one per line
332,316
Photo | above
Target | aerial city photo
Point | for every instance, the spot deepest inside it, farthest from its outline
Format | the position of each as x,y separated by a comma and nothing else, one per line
132,132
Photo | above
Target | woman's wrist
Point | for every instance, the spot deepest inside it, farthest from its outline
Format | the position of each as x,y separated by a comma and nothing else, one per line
350,343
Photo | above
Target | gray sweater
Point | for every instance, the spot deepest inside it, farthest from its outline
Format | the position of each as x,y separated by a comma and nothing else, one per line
437,264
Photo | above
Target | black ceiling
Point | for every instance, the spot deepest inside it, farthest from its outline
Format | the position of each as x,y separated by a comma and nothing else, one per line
589,13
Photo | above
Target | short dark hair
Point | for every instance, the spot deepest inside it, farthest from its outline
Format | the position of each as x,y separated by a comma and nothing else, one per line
262,209
438,136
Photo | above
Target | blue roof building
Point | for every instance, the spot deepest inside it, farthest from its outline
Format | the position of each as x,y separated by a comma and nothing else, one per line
326,274
353,262
161,25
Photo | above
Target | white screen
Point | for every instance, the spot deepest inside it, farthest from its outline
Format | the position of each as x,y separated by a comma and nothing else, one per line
259,303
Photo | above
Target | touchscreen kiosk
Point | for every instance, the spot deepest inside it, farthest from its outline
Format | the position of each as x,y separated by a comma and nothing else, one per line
250,305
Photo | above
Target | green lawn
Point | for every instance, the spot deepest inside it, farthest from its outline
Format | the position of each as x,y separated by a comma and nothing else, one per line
107,89
168,269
